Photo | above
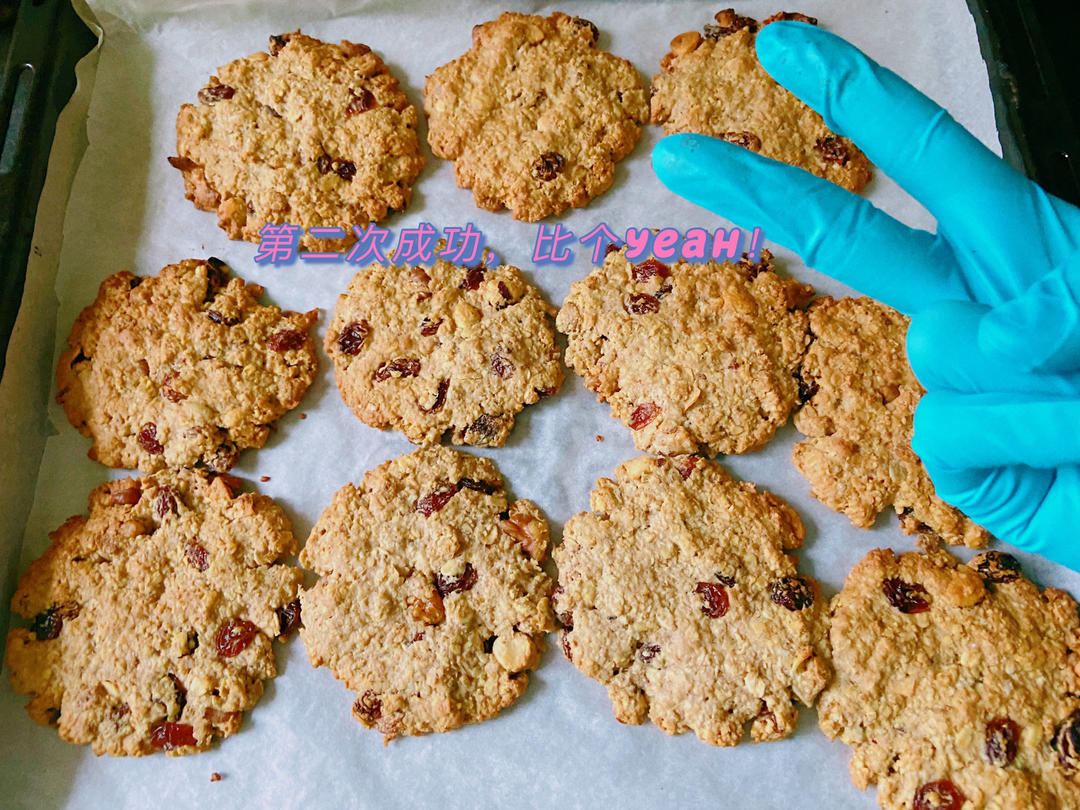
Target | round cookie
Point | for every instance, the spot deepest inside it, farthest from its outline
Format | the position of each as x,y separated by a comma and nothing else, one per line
446,348
432,604
183,368
957,686
313,134
676,593
152,619
714,85
534,115
860,396
692,356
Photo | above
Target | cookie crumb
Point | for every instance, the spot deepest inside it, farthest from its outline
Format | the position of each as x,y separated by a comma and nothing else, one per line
264,478
599,438
215,777
303,416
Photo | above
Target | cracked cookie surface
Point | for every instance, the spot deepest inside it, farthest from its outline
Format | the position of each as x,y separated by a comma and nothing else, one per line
311,133
431,603
534,115
956,686
182,368
690,356
713,84
152,619
676,593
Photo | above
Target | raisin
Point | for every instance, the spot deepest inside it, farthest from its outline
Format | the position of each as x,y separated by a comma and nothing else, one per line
807,390
169,736
345,169
213,93
581,22
548,166
940,795
434,501
504,291
685,465
196,555
429,327
997,566
182,163
1002,736
487,487
218,318
501,366
544,393
641,304
728,22
440,397
714,599
643,414
148,440
277,42
446,584
789,15
641,273
747,140
664,290
352,337
234,637
360,103
288,618
165,503
648,652
793,593
906,597
1066,742
474,276
286,340
128,496
368,706
832,150
485,427
324,164
47,625
168,391
612,247
222,458
401,367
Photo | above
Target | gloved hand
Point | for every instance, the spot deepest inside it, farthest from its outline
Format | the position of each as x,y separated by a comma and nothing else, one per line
994,294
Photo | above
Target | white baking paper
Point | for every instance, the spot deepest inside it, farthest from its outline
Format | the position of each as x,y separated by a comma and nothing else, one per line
560,745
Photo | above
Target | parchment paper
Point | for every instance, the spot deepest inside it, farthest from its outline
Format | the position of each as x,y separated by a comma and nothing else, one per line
559,745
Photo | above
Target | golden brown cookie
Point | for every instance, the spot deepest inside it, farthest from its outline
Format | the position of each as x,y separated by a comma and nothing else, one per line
676,593
534,115
183,368
432,604
152,620
446,348
313,134
957,686
714,85
690,356
860,396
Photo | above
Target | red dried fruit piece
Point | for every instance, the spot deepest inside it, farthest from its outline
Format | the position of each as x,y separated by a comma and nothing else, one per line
548,166
501,366
345,169
169,736
446,584
129,495
641,304
685,465
664,290
544,393
643,414
165,503
168,391
196,555
641,273
832,150
474,276
940,795
997,566
728,22
714,599
368,706
148,440
793,593
789,15
564,642
807,390
440,397
234,637
648,652
504,291
286,340
401,367
747,140
434,501
324,164
429,327
288,618
213,93
1066,742
485,427
906,597
47,625
1002,736
487,487
360,102
612,247
352,337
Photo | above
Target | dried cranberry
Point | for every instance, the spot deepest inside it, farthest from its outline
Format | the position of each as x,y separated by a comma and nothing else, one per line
906,597
286,340
429,327
165,503
234,637
940,795
714,599
641,273
793,593
747,140
648,652
288,618
401,367
172,735
997,566
148,440
643,414
789,15
368,706
548,166
352,337
832,150
446,584
487,487
1066,742
213,93
196,555
440,397
345,169
360,103
641,304
474,276
807,390
324,164
501,366
434,501
1002,735
128,496
685,465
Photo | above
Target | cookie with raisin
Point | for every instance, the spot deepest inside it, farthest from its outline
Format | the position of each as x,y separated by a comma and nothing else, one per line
431,604
535,116
443,349
690,356
313,134
182,368
676,592
711,83
152,620
956,686
859,396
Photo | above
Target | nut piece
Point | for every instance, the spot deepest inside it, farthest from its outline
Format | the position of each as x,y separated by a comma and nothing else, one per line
526,524
685,43
514,652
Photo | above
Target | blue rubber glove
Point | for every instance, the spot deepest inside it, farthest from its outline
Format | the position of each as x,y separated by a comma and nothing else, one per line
994,294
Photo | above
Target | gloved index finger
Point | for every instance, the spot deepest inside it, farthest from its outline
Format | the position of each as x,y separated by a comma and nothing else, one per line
989,210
